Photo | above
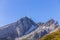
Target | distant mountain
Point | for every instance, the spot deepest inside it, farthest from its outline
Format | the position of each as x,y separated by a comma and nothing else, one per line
27,29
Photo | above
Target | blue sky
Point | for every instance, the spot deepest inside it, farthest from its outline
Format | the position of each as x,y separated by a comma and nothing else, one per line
38,10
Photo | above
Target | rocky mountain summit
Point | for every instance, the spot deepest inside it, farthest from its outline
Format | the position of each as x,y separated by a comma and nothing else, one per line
43,29
27,29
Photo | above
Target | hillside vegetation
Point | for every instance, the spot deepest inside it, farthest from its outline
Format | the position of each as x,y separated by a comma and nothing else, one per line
52,36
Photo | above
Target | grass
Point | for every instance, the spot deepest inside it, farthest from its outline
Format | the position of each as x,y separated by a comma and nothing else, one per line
52,36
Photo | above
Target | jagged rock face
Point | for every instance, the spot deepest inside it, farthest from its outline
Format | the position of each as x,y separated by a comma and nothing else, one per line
48,23
43,29
17,29
46,28
27,28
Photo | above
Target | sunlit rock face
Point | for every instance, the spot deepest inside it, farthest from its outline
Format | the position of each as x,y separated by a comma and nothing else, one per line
25,28
43,29
17,29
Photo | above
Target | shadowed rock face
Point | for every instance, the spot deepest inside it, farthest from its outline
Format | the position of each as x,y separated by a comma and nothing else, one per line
17,29
43,29
26,26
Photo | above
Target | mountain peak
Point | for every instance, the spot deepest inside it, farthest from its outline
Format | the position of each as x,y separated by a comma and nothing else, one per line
26,20
25,17
26,26
49,22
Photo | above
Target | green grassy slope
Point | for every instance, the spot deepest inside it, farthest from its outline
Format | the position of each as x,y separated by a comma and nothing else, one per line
53,36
